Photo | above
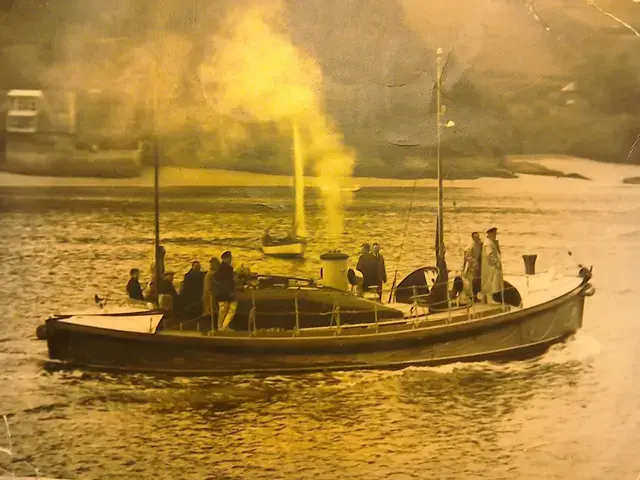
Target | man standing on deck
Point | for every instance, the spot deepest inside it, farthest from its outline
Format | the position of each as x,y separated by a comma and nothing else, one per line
209,304
368,266
491,274
382,270
225,291
192,289
472,265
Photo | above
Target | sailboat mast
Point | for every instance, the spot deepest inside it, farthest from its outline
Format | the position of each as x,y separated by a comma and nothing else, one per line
440,227
156,194
156,179
298,184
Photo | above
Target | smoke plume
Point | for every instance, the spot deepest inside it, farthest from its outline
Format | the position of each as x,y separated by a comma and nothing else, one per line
256,74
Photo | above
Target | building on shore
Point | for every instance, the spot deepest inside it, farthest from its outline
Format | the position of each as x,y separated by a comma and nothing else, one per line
89,133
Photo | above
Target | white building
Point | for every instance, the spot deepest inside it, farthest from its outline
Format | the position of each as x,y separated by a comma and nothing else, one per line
22,114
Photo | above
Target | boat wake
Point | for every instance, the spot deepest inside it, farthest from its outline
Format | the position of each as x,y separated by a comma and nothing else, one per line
580,348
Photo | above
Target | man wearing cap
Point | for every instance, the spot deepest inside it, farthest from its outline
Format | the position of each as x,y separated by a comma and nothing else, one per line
491,270
225,291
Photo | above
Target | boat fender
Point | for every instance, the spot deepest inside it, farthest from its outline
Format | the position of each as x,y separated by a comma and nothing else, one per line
41,332
588,291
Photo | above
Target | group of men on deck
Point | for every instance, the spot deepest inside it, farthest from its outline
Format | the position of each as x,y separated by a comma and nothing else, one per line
212,293
201,293
482,268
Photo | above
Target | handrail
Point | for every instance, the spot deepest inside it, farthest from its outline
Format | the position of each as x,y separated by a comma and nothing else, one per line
417,310
415,320
336,310
430,287
313,283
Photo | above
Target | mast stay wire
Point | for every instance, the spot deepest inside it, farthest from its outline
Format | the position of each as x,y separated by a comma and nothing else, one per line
404,234
415,181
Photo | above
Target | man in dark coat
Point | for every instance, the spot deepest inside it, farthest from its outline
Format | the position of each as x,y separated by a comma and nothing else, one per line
224,287
368,266
192,289
134,290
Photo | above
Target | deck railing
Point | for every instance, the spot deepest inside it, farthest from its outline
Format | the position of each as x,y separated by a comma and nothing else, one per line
418,314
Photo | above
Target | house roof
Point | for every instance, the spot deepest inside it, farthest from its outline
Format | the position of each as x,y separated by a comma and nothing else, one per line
25,93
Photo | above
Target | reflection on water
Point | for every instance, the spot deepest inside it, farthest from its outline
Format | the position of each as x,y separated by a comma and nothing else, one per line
450,419
547,418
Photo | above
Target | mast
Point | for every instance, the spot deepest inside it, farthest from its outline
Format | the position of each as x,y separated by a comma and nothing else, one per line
439,296
156,199
156,181
439,226
299,227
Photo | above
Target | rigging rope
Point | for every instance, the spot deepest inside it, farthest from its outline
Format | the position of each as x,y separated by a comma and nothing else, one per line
437,84
404,235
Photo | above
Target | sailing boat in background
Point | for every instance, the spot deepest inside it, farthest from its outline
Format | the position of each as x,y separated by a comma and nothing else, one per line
292,245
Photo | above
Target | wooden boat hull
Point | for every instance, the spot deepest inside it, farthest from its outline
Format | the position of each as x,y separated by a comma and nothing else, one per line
517,334
293,249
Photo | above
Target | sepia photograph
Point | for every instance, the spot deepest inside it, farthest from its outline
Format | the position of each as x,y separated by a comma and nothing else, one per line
319,239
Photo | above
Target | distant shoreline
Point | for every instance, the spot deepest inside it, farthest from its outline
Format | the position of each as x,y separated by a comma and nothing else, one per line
558,166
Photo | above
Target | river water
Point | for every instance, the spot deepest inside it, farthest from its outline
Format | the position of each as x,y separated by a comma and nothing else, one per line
574,413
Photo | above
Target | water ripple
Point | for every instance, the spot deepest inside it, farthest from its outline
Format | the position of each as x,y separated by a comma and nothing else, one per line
561,416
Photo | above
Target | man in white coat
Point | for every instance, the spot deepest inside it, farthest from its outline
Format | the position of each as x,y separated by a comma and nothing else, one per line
491,270
471,265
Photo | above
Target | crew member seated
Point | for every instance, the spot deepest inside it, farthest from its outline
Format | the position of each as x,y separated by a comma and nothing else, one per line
459,292
167,288
134,290
354,278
